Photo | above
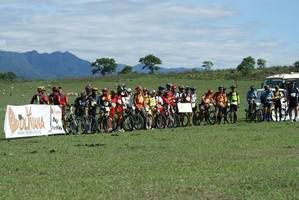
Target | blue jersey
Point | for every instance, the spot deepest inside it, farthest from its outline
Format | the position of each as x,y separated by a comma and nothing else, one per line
267,97
251,95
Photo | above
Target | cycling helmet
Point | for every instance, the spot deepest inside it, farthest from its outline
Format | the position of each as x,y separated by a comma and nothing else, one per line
252,87
193,89
210,91
232,87
220,87
161,88
95,89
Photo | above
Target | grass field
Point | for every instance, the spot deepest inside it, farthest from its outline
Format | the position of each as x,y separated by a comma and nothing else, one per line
242,161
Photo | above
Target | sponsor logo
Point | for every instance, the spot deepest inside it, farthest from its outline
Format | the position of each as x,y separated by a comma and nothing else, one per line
24,123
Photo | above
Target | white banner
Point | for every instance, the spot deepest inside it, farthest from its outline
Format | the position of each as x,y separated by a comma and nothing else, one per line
185,108
32,120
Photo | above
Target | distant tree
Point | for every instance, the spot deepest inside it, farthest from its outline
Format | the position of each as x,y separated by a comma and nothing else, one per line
103,66
150,62
296,64
207,65
261,63
247,65
126,70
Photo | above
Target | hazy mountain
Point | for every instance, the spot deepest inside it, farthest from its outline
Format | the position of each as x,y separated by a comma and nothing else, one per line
34,65
56,65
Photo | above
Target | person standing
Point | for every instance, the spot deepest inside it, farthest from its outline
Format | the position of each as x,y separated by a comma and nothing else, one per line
267,101
277,103
292,97
234,101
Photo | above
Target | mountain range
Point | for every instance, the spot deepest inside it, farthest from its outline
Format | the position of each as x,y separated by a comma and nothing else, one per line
57,65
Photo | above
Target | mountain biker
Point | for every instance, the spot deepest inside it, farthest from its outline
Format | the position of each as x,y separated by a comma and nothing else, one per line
159,99
292,96
80,104
116,108
251,97
40,97
206,102
193,99
104,99
127,98
277,102
62,102
220,101
139,100
53,97
234,101
152,102
267,101
180,94
92,102
187,98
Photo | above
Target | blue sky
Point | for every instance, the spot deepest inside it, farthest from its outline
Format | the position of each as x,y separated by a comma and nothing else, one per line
181,33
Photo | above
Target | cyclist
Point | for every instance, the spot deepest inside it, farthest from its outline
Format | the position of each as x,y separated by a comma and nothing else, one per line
251,97
80,104
234,101
187,98
63,101
53,97
220,100
206,102
292,97
193,99
127,98
267,101
152,102
104,99
92,102
116,108
40,97
277,102
139,100
180,94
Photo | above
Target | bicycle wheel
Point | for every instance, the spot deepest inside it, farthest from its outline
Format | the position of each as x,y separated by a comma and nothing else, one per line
138,122
148,121
160,121
170,121
212,118
176,120
197,118
104,124
184,119
128,124
259,115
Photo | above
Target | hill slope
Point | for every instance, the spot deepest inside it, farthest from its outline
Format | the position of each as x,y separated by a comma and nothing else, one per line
33,65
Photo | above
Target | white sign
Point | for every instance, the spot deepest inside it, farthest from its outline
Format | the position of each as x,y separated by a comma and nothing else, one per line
185,108
32,120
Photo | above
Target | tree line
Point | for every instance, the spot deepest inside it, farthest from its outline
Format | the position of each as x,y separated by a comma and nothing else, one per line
151,63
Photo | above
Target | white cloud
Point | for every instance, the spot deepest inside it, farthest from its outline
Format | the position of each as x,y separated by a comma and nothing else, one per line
181,34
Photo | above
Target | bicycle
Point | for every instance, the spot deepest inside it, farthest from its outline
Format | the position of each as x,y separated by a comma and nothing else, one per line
72,122
206,115
256,114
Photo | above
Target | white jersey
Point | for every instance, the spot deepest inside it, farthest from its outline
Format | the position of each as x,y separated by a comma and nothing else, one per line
127,101
159,100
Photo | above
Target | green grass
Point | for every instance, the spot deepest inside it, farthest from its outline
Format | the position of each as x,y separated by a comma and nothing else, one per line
242,161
